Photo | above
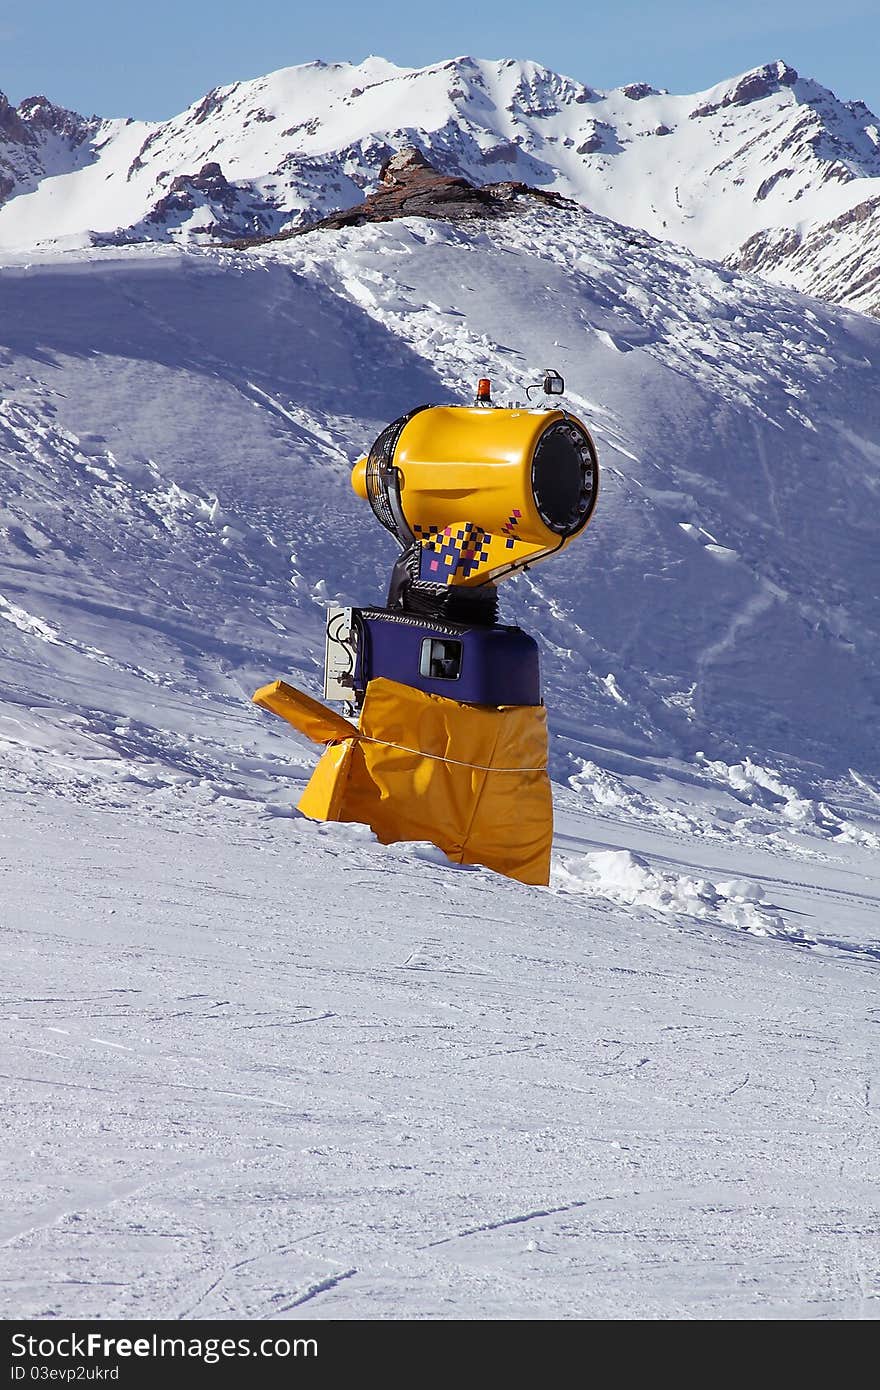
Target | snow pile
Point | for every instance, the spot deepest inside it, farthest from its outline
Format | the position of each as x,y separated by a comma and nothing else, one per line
630,880
604,789
760,786
612,796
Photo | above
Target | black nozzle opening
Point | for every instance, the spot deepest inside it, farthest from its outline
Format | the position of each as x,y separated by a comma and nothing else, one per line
564,473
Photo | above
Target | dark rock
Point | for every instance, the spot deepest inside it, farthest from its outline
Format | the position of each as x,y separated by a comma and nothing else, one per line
138,161
591,145
12,127
764,250
771,182
853,216
761,83
411,187
207,106
837,172
637,91
404,167
209,181
601,138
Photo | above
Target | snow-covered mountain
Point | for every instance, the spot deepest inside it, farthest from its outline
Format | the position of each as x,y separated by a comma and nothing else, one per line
768,170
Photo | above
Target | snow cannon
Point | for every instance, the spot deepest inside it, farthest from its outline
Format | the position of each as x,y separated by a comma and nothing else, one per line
451,740
474,495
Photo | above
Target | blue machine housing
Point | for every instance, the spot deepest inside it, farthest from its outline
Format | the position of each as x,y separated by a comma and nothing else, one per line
474,665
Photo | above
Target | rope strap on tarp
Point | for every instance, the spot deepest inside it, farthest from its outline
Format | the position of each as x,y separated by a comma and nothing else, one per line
358,737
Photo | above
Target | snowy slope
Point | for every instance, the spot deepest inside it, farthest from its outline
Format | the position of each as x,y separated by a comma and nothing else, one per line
740,454
308,1076
253,1068
764,153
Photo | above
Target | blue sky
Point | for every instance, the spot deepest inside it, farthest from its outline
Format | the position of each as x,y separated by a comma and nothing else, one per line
151,60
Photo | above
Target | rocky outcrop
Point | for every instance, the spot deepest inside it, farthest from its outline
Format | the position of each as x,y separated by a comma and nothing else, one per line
182,196
409,186
41,116
637,91
12,128
203,205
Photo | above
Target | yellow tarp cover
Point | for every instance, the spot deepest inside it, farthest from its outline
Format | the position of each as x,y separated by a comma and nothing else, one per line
469,778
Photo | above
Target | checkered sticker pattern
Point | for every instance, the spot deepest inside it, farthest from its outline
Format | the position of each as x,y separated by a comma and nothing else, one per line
452,552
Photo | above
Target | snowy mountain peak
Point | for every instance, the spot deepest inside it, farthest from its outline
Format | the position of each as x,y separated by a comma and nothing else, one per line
37,116
750,86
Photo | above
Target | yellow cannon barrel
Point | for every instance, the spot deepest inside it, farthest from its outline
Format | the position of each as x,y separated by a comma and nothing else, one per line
508,487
